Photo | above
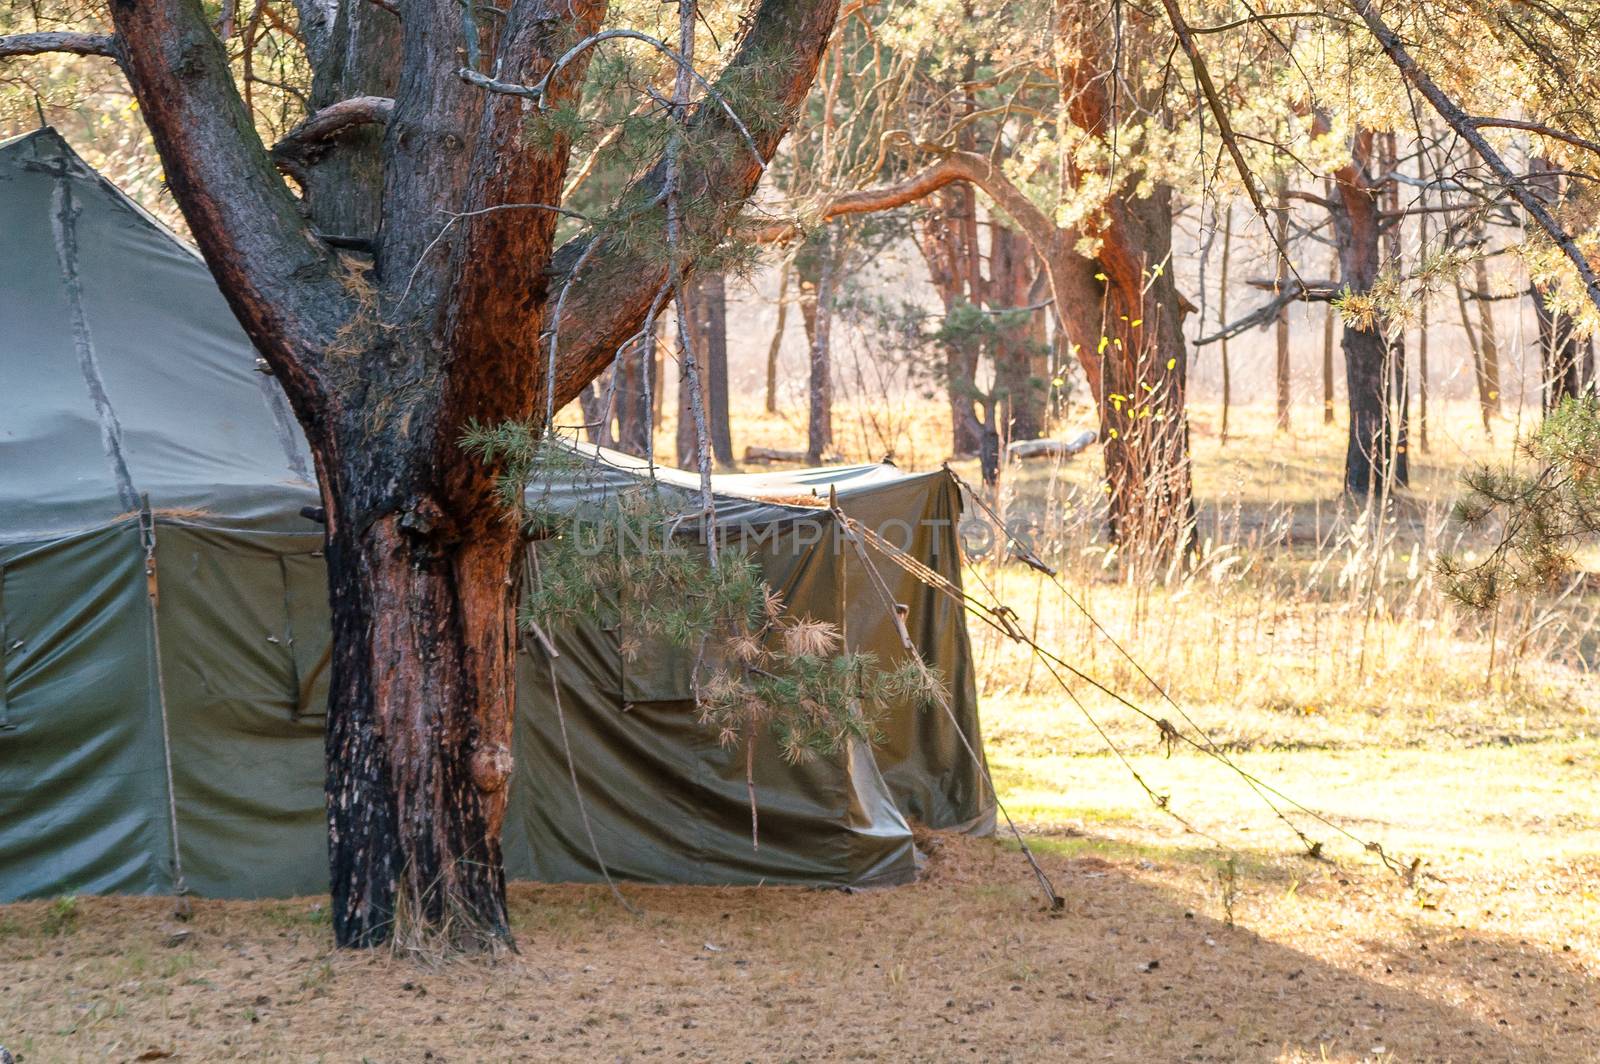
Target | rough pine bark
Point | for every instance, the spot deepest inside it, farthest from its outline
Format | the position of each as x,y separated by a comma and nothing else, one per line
947,237
396,304
1370,451
704,306
1019,390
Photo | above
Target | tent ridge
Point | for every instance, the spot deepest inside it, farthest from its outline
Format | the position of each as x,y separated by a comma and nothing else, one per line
64,227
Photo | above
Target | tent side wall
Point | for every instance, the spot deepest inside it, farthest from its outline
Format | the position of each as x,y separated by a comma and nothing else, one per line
83,782
933,776
667,802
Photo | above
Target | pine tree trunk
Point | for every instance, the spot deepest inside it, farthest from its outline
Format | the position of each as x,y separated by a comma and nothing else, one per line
1222,322
1487,338
711,305
1143,384
776,345
420,708
704,304
1327,353
433,321
1281,326
1019,395
1479,375
1558,353
1422,331
947,239
633,402
1370,453
819,421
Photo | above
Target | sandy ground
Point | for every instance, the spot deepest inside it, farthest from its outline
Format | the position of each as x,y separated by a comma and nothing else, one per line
1323,963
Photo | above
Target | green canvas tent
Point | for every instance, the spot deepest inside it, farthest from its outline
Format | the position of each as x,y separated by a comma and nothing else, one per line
164,630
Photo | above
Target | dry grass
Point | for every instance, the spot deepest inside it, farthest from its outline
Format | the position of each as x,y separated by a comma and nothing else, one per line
1370,700
1319,963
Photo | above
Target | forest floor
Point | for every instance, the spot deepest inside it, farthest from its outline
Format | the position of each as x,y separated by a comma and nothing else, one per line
1169,947
1469,745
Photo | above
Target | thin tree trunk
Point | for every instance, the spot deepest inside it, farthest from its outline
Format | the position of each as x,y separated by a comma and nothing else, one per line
819,423
685,439
1401,382
1222,321
1281,327
777,338
1328,319
633,406
1485,403
1487,338
705,303
1422,322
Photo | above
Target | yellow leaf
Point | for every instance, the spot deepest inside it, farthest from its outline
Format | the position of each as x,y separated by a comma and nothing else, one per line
1105,341
1099,277
1136,322
1172,363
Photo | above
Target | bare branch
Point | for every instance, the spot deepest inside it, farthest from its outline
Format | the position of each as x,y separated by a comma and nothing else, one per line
279,279
1539,128
101,44
867,200
1202,77
538,91
1294,292
1467,127
304,143
783,41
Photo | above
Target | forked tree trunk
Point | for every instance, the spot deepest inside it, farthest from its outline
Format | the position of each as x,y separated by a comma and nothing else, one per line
387,354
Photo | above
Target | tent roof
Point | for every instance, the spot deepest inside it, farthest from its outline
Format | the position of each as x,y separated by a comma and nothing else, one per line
128,376
125,373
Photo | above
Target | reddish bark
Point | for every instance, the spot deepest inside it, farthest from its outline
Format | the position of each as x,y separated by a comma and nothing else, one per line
387,356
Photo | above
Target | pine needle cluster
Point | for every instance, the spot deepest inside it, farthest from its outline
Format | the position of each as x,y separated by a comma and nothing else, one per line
632,560
1546,514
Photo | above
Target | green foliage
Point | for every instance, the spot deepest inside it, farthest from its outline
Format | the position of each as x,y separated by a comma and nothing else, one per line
61,918
1546,515
630,559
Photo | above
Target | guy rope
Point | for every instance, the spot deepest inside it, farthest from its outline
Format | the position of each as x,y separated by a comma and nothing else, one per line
1004,619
